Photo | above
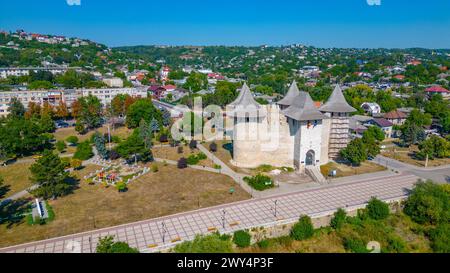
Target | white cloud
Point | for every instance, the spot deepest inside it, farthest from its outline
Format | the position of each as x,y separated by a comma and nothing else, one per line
73,2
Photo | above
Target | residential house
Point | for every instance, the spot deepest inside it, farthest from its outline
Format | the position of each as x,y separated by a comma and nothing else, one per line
384,124
371,108
396,117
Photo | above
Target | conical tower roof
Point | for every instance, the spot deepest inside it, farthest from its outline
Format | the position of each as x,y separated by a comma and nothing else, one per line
303,108
290,95
245,103
337,103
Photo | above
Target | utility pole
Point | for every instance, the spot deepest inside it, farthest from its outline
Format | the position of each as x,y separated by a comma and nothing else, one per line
223,218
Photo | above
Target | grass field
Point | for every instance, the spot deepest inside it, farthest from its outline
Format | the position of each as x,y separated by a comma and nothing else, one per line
168,191
16,177
63,133
407,155
327,240
171,153
347,170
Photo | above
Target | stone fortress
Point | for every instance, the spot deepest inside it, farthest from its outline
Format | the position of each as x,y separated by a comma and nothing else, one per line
293,132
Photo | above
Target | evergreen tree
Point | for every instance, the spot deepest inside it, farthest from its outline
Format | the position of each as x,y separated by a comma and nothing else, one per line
99,142
16,108
146,133
154,125
49,174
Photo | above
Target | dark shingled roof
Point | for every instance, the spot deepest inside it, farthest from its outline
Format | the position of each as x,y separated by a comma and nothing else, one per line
337,103
245,103
303,108
382,122
290,95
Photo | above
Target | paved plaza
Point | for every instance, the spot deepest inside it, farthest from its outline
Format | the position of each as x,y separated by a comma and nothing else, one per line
154,234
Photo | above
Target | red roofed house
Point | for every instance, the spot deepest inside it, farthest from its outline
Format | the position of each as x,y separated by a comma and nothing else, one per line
399,77
437,89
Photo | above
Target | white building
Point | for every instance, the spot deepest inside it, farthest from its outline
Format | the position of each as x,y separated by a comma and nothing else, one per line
293,132
113,82
24,71
105,95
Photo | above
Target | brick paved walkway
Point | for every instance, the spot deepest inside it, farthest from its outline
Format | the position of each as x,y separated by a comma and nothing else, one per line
150,235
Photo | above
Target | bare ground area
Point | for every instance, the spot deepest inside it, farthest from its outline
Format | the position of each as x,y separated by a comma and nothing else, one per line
171,153
168,191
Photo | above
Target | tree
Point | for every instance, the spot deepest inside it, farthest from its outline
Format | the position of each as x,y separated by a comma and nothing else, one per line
196,82
73,140
49,174
60,145
338,219
16,108
377,209
99,142
90,112
33,110
355,152
411,133
154,125
374,132
303,229
166,117
19,136
213,147
142,109
40,85
107,245
84,151
182,163
61,111
434,146
134,146
146,133
428,203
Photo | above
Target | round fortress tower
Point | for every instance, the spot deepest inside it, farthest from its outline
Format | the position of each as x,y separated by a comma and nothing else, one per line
247,115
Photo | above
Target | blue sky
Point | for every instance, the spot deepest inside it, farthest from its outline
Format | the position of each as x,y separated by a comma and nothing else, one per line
322,23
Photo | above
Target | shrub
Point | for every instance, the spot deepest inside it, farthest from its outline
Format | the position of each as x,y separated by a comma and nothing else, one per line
113,155
213,147
163,138
212,243
192,160
121,186
75,163
182,163
440,238
79,127
377,209
84,151
73,140
339,218
193,144
259,182
201,156
263,243
60,145
180,149
242,238
428,203
107,245
303,229
155,168
355,244
396,245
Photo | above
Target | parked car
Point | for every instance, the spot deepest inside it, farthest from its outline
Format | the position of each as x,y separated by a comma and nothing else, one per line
61,124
